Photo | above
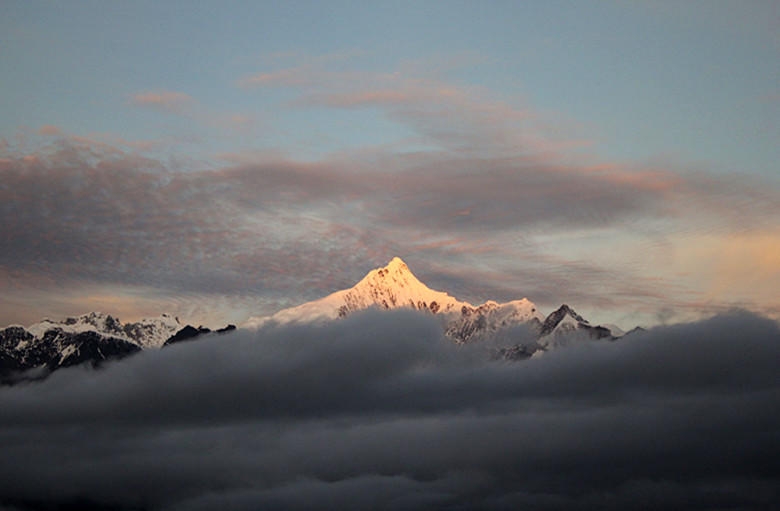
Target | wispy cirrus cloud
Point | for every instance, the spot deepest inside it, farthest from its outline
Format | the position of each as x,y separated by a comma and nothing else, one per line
450,115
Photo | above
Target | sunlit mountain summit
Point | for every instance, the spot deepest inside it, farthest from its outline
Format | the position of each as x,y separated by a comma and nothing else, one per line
396,287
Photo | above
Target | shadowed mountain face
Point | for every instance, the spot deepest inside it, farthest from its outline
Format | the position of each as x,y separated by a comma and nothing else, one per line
189,333
565,320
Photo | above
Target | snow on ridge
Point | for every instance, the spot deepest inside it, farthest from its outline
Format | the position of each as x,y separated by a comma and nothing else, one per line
84,323
153,332
146,333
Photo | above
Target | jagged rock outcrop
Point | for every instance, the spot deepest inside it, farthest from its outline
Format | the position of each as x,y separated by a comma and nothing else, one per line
189,333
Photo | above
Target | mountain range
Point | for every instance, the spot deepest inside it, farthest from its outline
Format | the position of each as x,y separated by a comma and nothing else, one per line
395,286
94,338
37,350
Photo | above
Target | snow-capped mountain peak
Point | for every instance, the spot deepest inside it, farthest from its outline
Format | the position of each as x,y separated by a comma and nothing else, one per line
395,286
396,275
389,287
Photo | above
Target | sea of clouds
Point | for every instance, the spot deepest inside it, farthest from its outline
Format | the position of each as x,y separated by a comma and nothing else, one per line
380,411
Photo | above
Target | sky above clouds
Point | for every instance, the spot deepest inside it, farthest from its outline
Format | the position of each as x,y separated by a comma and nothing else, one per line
222,160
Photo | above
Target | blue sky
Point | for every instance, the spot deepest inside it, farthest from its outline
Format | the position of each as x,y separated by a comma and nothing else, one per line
651,127
695,80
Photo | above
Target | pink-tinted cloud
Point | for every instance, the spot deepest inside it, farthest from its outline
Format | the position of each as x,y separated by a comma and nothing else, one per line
179,103
444,114
241,119
165,101
364,98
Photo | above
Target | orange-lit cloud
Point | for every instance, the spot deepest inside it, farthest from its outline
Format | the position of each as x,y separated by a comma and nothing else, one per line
733,266
49,130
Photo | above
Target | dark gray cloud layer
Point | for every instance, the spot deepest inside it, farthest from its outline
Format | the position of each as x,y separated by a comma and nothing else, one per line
380,412
88,212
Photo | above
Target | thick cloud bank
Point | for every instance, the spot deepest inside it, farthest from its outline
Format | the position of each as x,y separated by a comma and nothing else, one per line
378,411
